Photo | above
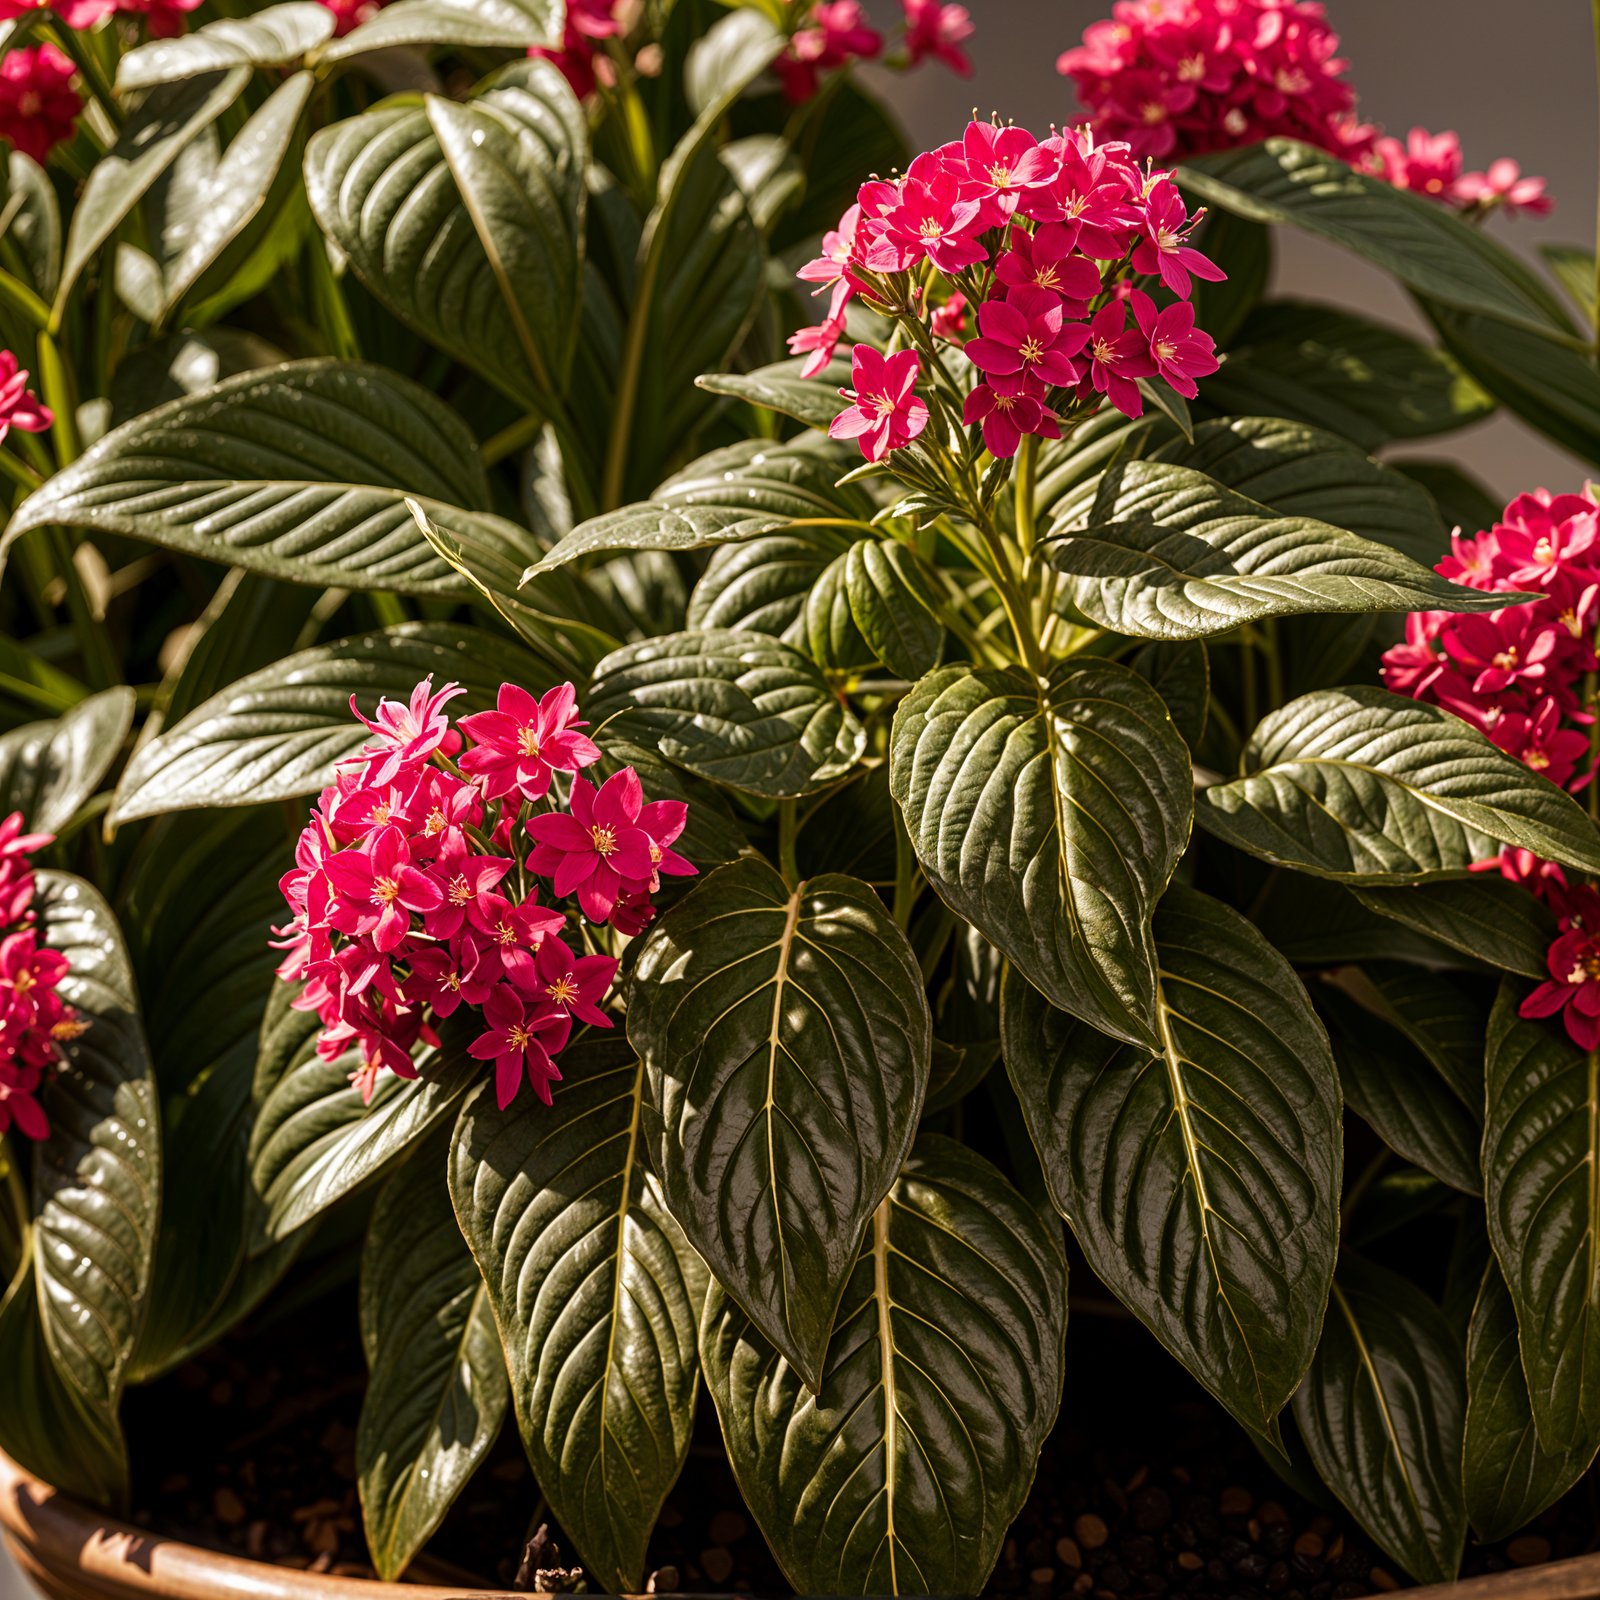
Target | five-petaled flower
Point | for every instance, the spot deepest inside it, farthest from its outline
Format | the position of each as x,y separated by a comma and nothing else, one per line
885,414
521,743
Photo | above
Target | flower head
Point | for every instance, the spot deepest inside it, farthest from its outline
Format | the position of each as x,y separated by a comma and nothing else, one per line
38,105
1573,987
522,1040
934,29
592,851
885,413
521,744
406,734
1179,351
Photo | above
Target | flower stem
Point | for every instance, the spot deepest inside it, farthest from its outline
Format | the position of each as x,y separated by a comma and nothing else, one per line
1027,474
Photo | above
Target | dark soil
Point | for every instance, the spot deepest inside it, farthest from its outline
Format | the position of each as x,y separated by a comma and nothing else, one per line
1145,1488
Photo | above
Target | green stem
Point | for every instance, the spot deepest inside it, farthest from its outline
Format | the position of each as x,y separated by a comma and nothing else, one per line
101,666
1026,476
19,471
515,436
788,834
56,388
16,296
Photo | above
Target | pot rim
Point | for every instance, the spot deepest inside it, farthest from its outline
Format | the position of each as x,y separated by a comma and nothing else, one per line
87,1553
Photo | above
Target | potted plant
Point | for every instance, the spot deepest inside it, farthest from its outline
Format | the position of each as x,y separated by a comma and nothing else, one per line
643,860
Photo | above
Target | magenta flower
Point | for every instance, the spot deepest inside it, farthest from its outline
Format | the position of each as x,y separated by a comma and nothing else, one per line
950,320
1163,249
523,742
521,1040
1503,185
823,338
18,407
886,415
1181,352
1006,417
378,888
16,875
467,882
1030,335
1118,355
592,851
1474,562
1047,260
838,254
998,165
38,110
1573,988
1541,744
663,821
1427,163
513,933
934,29
574,984
1502,649
406,733
931,221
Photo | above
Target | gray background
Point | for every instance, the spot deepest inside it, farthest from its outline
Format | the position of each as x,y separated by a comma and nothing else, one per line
1512,79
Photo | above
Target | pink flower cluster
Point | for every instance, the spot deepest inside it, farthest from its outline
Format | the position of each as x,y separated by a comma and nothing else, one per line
405,909
587,23
1180,78
837,32
1515,675
164,19
38,105
1040,238
33,1018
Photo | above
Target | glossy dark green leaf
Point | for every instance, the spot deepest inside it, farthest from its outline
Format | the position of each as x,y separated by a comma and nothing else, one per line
270,38
1170,553
832,636
596,1294
1202,1182
1483,916
903,1472
1368,383
1462,501
1180,672
1441,1019
1315,922
518,151
893,603
1243,249
97,1178
315,1142
513,24
1393,1087
739,708
1373,788
1541,1168
813,401
958,1069
1382,1412
436,1391
1419,241
759,586
299,472
282,731
739,492
785,1038
1508,1477
1396,1197
48,769
853,830
1052,821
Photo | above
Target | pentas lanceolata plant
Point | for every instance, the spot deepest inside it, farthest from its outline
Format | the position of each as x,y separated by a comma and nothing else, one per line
34,1020
416,885
1179,78
1525,676
1045,241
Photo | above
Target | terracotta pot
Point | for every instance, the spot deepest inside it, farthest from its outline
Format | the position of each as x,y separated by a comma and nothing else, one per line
74,1553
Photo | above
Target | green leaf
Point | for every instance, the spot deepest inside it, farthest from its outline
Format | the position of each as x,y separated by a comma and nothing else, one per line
45,1425
1305,472
832,635
283,731
759,586
1166,399
1372,788
1382,1413
736,493
48,769
1541,1168
1316,365
1180,672
1484,916
1169,553
270,38
1573,266
1445,1023
97,1178
1053,821
1419,241
518,152
894,606
1392,1086
1555,389
1463,502
150,141
185,363
739,708
1508,1477
596,1294
1314,922
437,1389
903,1472
785,1039
1202,1182
813,401
514,24
299,472
1243,249
1400,1195
37,224
315,1142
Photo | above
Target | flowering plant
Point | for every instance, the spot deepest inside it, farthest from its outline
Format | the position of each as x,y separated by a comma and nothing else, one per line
737,727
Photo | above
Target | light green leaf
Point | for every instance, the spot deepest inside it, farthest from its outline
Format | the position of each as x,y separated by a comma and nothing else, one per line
1169,553
1202,1182
596,1294
437,1391
481,24
814,401
1382,1412
902,1473
270,38
48,769
759,586
893,604
1573,266
1372,788
283,731
1053,821
739,708
832,635
785,1039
